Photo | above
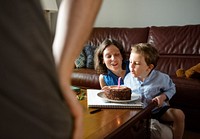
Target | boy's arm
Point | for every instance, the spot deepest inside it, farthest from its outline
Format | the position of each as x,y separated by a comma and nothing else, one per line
170,92
166,94
160,99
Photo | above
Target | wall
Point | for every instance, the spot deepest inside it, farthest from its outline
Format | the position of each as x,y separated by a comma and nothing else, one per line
140,13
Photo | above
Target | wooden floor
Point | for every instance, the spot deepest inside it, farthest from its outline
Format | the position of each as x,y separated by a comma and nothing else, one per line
191,135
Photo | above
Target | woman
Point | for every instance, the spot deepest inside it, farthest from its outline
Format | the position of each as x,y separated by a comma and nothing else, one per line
110,62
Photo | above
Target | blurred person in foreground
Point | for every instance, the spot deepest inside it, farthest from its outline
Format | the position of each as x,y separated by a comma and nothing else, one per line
36,99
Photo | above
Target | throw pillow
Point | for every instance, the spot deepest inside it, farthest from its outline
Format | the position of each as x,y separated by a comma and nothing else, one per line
89,52
81,60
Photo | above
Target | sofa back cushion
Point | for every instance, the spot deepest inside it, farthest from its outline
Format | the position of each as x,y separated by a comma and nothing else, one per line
179,46
126,36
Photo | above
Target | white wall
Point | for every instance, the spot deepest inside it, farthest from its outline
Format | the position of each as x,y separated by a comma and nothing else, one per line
141,13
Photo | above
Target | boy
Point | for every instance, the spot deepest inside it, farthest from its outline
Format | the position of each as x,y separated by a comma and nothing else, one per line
153,86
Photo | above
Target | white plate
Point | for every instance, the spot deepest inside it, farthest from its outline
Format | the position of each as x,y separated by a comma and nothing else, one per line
133,97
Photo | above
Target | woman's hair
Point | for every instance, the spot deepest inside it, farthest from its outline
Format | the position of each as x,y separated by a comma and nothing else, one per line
149,52
99,66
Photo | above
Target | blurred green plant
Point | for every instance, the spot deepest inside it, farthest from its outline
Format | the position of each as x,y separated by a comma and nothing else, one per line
81,96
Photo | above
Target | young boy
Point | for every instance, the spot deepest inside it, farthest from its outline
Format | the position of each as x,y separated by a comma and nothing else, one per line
153,86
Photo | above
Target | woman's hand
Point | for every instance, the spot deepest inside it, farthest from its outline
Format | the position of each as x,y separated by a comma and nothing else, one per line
105,88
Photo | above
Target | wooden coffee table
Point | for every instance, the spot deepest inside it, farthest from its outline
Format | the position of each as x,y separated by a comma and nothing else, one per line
116,123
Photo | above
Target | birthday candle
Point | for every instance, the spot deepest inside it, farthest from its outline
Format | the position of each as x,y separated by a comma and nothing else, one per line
119,82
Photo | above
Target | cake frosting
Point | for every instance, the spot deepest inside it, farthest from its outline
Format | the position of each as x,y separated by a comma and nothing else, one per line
118,93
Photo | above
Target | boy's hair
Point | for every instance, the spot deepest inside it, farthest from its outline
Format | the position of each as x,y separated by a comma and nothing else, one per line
149,52
99,66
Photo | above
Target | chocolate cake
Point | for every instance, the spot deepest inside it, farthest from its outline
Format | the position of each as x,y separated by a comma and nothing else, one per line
115,93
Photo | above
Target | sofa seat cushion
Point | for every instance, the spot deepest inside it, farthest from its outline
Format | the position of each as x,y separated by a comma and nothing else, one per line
188,91
85,78
187,98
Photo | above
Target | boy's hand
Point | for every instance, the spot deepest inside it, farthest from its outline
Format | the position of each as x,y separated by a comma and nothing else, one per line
160,99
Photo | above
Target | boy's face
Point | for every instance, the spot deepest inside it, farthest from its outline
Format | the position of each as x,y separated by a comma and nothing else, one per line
138,66
112,58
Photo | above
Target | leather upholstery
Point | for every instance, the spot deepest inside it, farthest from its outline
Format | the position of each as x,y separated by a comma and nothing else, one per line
179,47
85,78
127,36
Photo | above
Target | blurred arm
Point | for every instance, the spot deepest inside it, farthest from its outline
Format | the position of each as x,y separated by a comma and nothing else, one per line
74,24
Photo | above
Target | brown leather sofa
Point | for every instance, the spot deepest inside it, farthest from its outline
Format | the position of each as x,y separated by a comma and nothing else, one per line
179,47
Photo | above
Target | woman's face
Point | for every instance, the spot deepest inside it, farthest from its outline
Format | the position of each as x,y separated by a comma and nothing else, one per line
112,58
138,66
